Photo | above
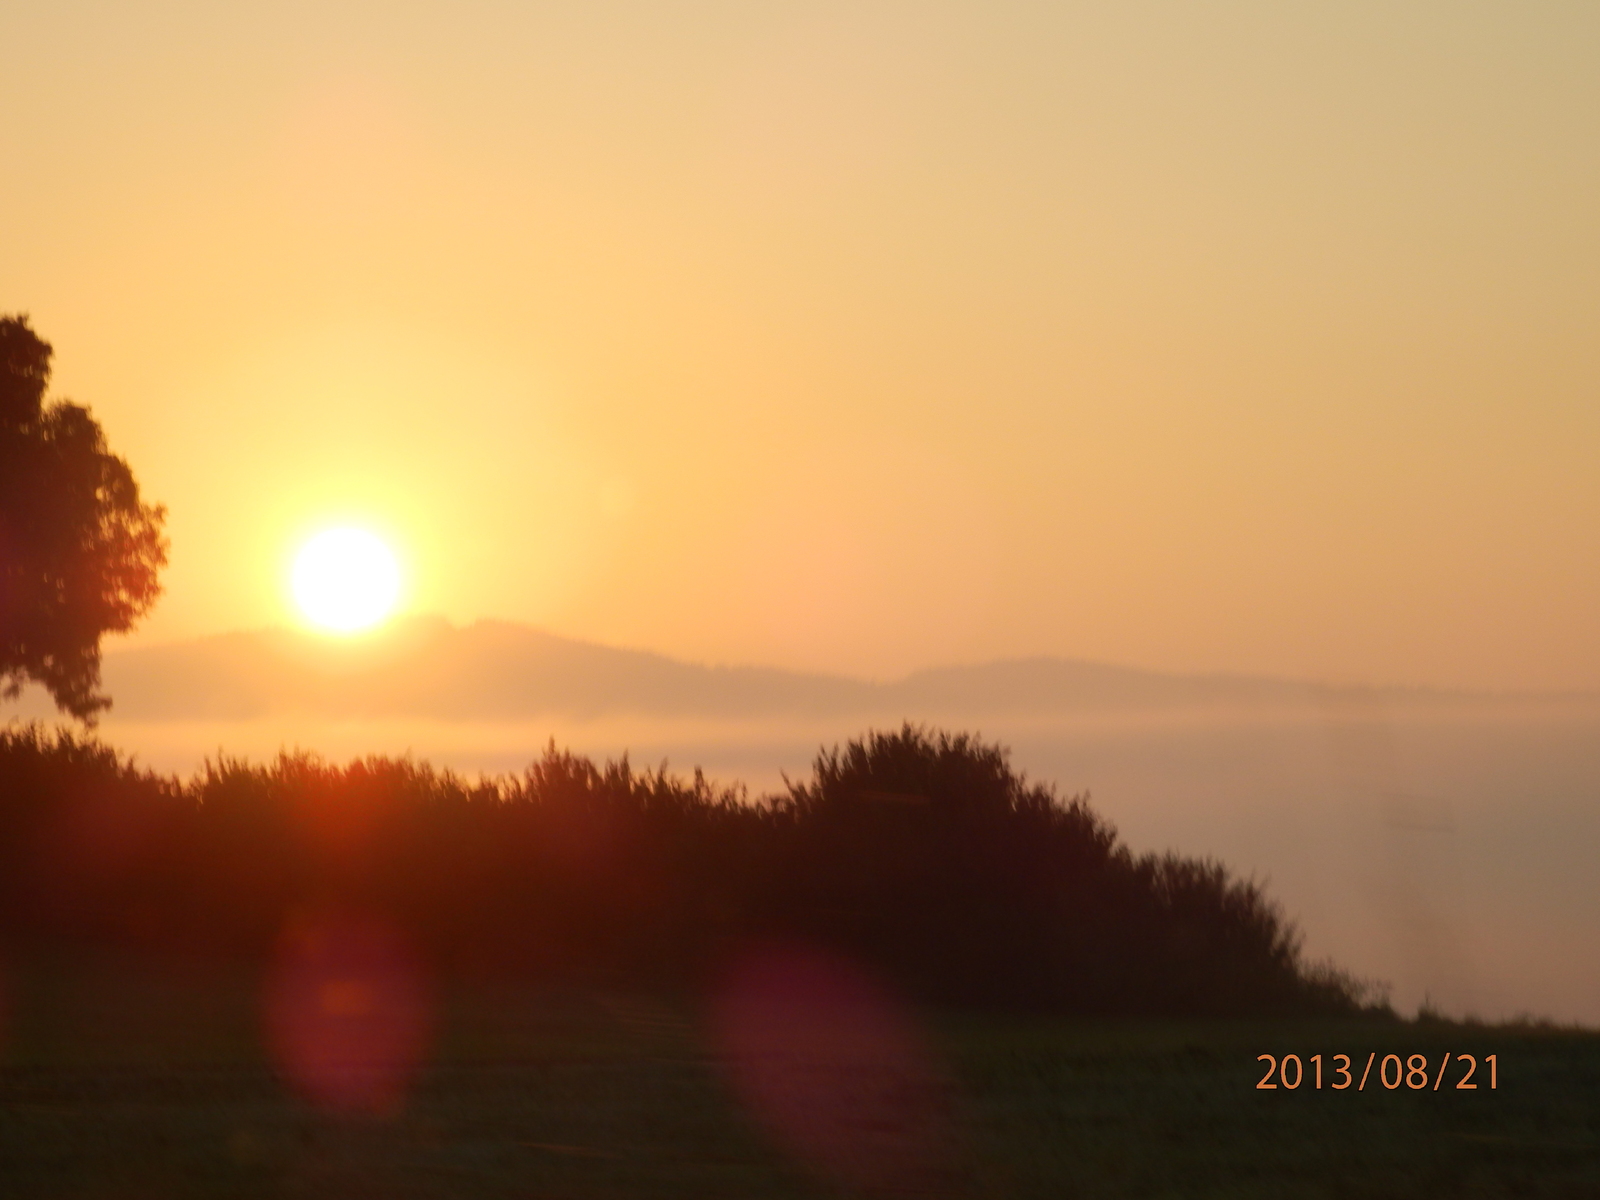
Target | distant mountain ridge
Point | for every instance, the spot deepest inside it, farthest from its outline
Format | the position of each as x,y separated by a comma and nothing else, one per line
494,670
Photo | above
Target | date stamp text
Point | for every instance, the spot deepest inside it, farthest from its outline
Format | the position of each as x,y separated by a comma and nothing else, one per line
1414,1072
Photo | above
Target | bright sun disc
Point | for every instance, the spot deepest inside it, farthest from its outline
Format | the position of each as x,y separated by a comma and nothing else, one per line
345,580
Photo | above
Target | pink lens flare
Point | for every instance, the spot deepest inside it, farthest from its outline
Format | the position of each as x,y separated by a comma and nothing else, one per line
825,1058
347,1012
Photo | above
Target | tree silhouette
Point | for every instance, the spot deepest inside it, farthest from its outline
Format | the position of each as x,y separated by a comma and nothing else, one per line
79,550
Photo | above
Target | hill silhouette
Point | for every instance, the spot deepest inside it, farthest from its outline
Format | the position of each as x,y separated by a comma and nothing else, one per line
424,667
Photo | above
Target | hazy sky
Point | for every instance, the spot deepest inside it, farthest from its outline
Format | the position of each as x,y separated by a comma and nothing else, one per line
854,336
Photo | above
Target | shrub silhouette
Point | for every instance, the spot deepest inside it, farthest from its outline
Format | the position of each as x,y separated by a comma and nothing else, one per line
922,853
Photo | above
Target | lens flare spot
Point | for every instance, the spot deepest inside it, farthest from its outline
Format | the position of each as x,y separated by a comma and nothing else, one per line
835,1068
347,1013
346,998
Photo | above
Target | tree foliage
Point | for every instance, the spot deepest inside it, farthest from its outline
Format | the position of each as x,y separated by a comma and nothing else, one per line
79,550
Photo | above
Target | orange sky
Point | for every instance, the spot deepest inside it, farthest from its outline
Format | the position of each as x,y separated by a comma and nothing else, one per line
854,336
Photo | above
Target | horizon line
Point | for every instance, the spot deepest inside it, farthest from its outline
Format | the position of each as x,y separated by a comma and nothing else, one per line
1215,675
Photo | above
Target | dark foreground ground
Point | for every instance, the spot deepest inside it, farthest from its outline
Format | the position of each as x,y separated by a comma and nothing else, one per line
121,1082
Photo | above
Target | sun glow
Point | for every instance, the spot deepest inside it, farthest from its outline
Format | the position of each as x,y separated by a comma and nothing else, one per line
345,580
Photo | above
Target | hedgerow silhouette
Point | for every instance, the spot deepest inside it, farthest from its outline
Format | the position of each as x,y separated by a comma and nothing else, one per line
922,853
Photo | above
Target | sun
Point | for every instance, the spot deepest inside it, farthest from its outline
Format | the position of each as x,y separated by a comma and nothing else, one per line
345,580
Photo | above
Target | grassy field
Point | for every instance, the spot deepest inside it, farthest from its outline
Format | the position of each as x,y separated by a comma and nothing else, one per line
125,1082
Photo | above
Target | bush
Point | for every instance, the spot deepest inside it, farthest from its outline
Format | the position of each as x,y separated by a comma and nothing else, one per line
921,852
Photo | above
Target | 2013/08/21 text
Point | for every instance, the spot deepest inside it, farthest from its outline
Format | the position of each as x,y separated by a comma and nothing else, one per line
1413,1073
